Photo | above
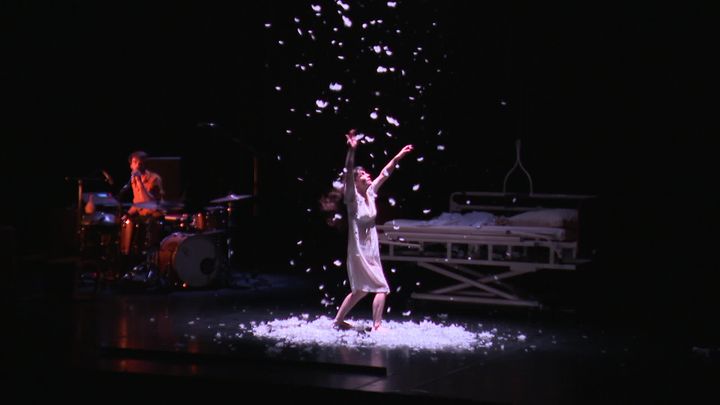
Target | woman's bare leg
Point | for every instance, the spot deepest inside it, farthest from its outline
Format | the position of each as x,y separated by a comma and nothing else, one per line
348,304
377,309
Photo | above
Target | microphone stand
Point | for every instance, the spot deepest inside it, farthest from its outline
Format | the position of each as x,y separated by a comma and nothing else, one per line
79,205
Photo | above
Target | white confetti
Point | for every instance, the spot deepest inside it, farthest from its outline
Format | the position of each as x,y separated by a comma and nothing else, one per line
416,187
343,5
321,103
335,86
337,262
392,121
391,201
424,335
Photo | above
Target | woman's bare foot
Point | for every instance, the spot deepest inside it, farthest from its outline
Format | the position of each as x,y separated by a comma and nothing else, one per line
376,327
341,325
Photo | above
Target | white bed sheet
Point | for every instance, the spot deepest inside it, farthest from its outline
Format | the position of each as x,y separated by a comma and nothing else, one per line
472,223
404,226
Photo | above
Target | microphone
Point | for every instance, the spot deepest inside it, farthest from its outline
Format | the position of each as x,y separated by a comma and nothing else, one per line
107,176
126,186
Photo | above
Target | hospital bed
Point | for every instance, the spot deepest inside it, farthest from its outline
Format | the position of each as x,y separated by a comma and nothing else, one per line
487,238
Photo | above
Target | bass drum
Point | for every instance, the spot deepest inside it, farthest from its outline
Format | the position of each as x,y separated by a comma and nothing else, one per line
189,259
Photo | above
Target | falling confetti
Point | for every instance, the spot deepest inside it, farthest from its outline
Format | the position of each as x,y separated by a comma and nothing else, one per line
392,121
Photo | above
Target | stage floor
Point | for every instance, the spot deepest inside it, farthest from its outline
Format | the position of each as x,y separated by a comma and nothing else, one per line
205,343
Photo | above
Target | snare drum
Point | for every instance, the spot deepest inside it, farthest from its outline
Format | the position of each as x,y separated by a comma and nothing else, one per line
176,223
188,258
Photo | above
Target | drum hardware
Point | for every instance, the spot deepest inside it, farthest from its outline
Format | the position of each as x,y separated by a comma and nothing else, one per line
177,223
210,219
176,249
231,202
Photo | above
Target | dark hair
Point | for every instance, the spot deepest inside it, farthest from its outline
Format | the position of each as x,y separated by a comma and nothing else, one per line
139,155
357,169
331,203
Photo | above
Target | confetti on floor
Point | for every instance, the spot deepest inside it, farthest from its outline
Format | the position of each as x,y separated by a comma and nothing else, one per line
423,335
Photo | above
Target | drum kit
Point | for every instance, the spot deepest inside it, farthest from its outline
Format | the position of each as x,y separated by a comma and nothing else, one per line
169,248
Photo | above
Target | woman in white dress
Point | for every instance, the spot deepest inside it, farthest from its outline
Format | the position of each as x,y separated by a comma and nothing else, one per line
363,257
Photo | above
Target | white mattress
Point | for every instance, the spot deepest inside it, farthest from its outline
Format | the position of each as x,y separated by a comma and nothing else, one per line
407,227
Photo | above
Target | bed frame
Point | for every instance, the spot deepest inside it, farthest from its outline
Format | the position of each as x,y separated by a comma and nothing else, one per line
480,260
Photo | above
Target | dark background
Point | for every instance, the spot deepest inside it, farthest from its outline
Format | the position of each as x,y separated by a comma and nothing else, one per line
613,100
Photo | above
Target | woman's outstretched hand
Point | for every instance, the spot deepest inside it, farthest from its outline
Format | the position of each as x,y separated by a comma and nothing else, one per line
404,151
351,139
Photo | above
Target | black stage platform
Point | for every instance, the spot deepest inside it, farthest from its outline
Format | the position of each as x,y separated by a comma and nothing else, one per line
124,344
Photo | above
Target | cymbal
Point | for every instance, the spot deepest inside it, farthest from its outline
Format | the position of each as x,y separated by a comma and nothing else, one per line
162,205
231,198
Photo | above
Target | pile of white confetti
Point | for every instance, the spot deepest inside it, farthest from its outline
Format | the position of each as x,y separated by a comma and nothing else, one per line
423,335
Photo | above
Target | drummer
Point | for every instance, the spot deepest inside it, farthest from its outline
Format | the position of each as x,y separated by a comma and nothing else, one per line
147,194
146,186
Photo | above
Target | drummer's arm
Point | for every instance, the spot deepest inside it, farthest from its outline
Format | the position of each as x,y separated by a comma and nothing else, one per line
155,192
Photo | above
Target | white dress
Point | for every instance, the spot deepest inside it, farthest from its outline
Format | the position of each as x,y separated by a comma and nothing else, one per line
363,261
